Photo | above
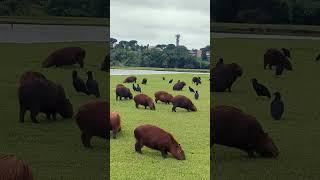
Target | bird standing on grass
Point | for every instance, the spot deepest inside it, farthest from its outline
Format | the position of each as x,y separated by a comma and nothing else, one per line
196,95
78,83
92,85
260,89
277,107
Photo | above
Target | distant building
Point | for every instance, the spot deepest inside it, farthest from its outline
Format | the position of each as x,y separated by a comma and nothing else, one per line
195,53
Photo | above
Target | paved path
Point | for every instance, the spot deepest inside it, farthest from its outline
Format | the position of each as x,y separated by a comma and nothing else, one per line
258,36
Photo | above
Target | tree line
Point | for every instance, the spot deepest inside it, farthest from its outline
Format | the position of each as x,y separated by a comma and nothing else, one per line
71,8
267,11
130,53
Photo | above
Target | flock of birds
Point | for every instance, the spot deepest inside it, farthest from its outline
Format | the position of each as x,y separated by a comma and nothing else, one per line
91,87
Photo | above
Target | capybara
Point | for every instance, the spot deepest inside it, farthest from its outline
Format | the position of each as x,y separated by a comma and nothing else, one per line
223,77
144,100
179,86
115,123
232,127
274,57
31,75
65,56
12,168
123,92
182,102
163,96
130,79
92,119
196,80
144,81
156,138
43,96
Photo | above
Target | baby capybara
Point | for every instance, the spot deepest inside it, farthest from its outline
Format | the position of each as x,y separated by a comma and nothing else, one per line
274,57
232,127
31,75
223,77
115,123
123,92
130,79
163,96
156,138
12,168
92,119
43,96
179,86
144,100
183,102
65,56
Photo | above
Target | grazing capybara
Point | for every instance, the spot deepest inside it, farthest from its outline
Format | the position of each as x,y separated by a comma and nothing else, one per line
130,79
123,92
144,81
115,123
196,80
163,96
274,57
43,96
12,168
144,100
31,75
179,86
65,56
156,138
223,77
232,127
92,119
182,102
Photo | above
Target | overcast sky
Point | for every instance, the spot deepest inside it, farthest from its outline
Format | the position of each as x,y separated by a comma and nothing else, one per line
156,22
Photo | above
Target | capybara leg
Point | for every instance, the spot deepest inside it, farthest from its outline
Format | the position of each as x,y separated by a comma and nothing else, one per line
114,133
138,147
188,110
86,140
270,66
251,154
137,105
156,100
81,63
117,97
33,115
164,153
174,109
22,113
145,107
48,116
264,66
120,98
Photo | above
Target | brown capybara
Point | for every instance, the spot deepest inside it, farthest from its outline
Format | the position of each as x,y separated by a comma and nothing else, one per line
31,75
224,76
65,56
163,96
123,92
196,80
179,86
43,96
92,119
144,100
115,123
156,138
274,57
130,79
12,168
234,128
182,102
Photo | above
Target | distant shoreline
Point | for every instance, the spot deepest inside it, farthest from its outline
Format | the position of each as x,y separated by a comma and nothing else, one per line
161,69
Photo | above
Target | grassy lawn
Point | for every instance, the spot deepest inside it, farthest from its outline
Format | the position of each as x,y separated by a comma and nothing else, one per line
297,135
55,20
191,130
53,148
304,30
162,69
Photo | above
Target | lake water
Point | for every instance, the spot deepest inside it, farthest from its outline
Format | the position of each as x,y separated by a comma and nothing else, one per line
140,72
25,33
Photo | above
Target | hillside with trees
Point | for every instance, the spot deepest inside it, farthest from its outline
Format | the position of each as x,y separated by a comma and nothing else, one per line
68,8
130,53
305,12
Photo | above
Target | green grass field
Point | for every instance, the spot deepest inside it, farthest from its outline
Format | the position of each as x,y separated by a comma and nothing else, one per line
55,20
272,29
297,135
191,130
52,148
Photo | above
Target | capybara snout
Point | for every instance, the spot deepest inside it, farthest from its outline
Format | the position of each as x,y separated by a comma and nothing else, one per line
268,148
